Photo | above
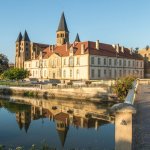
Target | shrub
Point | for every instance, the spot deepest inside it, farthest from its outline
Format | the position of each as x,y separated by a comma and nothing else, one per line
122,86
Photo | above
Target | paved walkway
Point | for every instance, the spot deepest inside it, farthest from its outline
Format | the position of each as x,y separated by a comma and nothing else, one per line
141,120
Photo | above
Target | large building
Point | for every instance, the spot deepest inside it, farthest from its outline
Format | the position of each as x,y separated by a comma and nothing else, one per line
79,60
146,55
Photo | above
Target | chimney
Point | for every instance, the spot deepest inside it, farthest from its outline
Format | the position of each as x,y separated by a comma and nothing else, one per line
117,48
82,48
53,48
122,49
131,50
40,54
97,44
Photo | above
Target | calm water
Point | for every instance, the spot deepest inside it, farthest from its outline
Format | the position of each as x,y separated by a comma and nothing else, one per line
60,124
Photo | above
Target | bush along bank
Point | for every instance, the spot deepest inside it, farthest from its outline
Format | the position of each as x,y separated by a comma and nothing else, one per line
122,86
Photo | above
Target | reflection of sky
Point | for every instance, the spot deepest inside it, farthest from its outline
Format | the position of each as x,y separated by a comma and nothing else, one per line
45,130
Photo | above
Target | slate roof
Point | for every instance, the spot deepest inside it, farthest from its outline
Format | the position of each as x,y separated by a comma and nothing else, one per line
19,37
26,37
77,39
62,24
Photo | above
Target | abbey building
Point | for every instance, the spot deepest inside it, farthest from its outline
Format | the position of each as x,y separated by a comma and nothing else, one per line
78,60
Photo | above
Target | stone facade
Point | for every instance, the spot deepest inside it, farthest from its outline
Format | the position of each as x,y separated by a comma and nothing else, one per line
146,55
76,61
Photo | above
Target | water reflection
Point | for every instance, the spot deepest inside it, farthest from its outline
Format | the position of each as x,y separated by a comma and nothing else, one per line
66,117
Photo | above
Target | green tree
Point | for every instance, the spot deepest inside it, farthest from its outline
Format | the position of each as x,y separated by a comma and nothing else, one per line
3,63
15,74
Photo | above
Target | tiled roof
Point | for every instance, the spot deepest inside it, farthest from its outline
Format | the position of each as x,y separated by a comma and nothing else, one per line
90,48
62,117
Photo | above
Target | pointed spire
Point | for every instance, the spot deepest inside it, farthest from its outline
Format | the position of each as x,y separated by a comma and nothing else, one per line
19,37
62,135
26,37
77,39
62,24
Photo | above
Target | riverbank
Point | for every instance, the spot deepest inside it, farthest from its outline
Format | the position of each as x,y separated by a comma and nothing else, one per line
83,93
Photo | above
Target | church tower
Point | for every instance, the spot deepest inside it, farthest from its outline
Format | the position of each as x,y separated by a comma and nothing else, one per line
25,53
18,50
62,31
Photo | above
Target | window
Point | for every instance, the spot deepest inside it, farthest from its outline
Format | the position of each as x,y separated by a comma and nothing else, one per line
104,61
70,73
141,64
129,63
115,62
93,73
133,63
99,73
71,61
27,49
120,73
64,61
137,64
124,63
64,74
105,72
141,73
92,60
33,73
120,63
49,73
77,73
78,61
99,61
124,72
109,62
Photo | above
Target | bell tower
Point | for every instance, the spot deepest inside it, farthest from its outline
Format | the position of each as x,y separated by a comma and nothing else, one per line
62,31
18,50
25,49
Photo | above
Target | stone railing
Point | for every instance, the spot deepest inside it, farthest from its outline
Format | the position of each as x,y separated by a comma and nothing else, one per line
123,120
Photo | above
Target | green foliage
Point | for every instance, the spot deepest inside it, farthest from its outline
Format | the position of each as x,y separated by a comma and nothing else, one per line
15,74
3,63
122,86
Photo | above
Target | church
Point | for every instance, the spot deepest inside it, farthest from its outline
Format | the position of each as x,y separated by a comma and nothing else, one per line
77,60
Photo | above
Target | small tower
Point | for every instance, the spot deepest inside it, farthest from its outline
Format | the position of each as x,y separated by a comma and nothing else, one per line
18,49
62,31
77,39
25,49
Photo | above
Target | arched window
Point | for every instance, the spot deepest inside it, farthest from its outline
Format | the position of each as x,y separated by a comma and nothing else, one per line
71,61
64,73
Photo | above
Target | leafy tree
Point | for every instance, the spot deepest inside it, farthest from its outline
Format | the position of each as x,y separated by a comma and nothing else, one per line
122,86
15,74
3,63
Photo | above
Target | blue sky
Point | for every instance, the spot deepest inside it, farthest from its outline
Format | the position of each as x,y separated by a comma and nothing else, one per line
111,21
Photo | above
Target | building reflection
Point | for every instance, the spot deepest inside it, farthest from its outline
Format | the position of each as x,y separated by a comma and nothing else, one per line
64,114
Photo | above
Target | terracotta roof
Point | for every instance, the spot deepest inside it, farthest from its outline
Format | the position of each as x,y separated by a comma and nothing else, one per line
62,117
90,48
